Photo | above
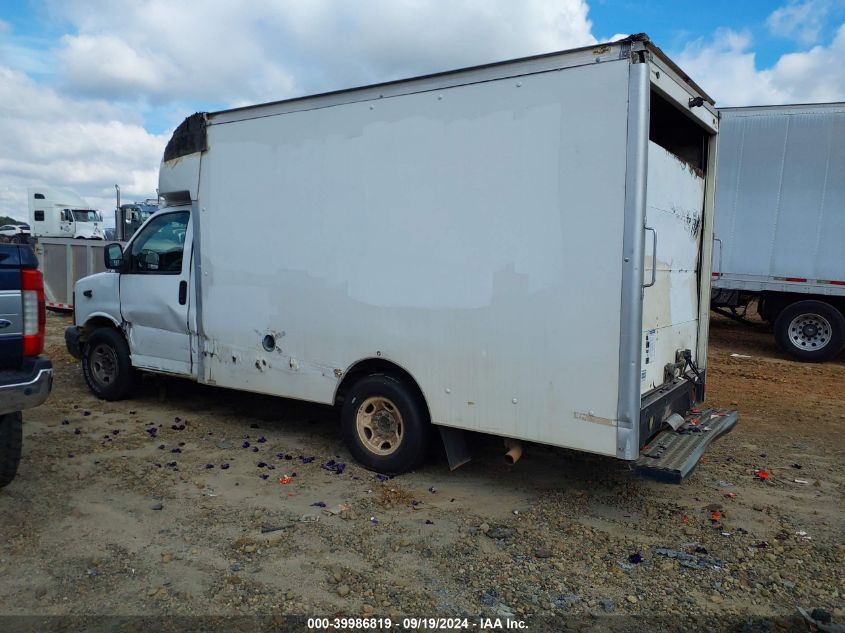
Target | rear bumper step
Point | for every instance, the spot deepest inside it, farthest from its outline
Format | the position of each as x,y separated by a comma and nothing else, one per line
672,455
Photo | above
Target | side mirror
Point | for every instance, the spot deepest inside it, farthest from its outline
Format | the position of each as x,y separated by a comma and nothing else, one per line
113,256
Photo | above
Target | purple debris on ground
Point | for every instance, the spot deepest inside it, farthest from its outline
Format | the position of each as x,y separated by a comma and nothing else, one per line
336,467
381,477
429,522
262,439
208,466
171,464
261,464
264,476
254,449
433,490
374,520
245,445
177,427
415,503
176,450
65,421
305,460
288,457
224,466
161,447
319,504
86,413
635,559
76,432
115,432
177,419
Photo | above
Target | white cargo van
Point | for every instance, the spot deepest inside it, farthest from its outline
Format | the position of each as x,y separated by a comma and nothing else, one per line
58,213
521,249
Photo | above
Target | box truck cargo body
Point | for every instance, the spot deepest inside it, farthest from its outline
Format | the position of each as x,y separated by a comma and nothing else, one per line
520,249
780,222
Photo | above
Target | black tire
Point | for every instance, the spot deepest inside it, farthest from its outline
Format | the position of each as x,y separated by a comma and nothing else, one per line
810,331
407,447
106,365
11,440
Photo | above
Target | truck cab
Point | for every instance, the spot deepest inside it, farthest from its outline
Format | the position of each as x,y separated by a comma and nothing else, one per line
57,213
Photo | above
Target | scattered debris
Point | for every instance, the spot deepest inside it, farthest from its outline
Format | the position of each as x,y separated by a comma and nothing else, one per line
266,528
336,467
800,481
382,477
319,504
761,475
635,559
285,479
796,466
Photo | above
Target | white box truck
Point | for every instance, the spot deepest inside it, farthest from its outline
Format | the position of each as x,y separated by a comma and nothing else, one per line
520,249
780,223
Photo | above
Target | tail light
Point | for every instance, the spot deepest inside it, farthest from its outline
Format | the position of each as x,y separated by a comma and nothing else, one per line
34,315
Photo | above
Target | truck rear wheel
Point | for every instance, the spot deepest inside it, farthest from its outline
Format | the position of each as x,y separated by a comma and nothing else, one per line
385,424
810,331
107,366
11,440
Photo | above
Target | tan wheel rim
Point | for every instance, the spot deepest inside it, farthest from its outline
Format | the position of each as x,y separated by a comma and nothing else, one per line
379,425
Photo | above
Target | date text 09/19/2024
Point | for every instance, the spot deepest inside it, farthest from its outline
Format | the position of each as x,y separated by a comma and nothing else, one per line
352,624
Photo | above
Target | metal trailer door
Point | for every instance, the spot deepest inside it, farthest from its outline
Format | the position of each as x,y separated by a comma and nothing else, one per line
674,209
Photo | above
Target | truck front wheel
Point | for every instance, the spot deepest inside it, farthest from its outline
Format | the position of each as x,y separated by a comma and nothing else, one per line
385,424
11,437
106,364
810,331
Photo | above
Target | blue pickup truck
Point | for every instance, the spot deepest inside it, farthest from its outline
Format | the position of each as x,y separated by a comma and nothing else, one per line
26,375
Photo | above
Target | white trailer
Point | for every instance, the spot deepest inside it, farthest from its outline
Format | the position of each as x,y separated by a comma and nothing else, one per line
521,249
780,223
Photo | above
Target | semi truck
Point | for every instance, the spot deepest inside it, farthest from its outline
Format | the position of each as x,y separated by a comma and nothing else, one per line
780,223
520,249
58,213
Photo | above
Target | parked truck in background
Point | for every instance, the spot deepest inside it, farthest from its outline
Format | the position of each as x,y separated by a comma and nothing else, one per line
58,213
26,375
780,223
520,249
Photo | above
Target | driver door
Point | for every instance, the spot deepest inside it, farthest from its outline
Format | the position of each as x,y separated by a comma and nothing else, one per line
154,293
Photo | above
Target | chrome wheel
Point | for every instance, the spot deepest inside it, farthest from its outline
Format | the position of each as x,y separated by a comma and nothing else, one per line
103,363
379,425
810,332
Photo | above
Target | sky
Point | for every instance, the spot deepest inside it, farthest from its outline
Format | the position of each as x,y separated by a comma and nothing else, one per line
90,90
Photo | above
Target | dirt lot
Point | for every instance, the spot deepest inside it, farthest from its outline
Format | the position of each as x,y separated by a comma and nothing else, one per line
130,508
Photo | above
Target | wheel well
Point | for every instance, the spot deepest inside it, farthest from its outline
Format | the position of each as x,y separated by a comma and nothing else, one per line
773,303
371,366
95,323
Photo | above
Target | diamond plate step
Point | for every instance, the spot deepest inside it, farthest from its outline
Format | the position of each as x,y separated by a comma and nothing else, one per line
672,455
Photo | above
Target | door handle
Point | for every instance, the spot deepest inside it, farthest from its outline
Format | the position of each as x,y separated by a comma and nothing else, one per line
719,276
653,257
183,292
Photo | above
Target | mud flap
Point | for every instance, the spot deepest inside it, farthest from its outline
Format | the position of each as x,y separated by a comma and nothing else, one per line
672,455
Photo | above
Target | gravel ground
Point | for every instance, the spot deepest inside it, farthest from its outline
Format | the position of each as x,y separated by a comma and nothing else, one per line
172,504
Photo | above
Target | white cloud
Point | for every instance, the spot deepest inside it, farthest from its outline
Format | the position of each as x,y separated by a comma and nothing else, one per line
801,20
87,146
727,70
226,53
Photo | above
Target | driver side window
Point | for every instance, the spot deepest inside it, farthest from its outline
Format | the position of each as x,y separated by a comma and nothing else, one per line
158,248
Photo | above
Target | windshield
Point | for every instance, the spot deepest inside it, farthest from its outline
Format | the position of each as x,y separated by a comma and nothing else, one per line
86,215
